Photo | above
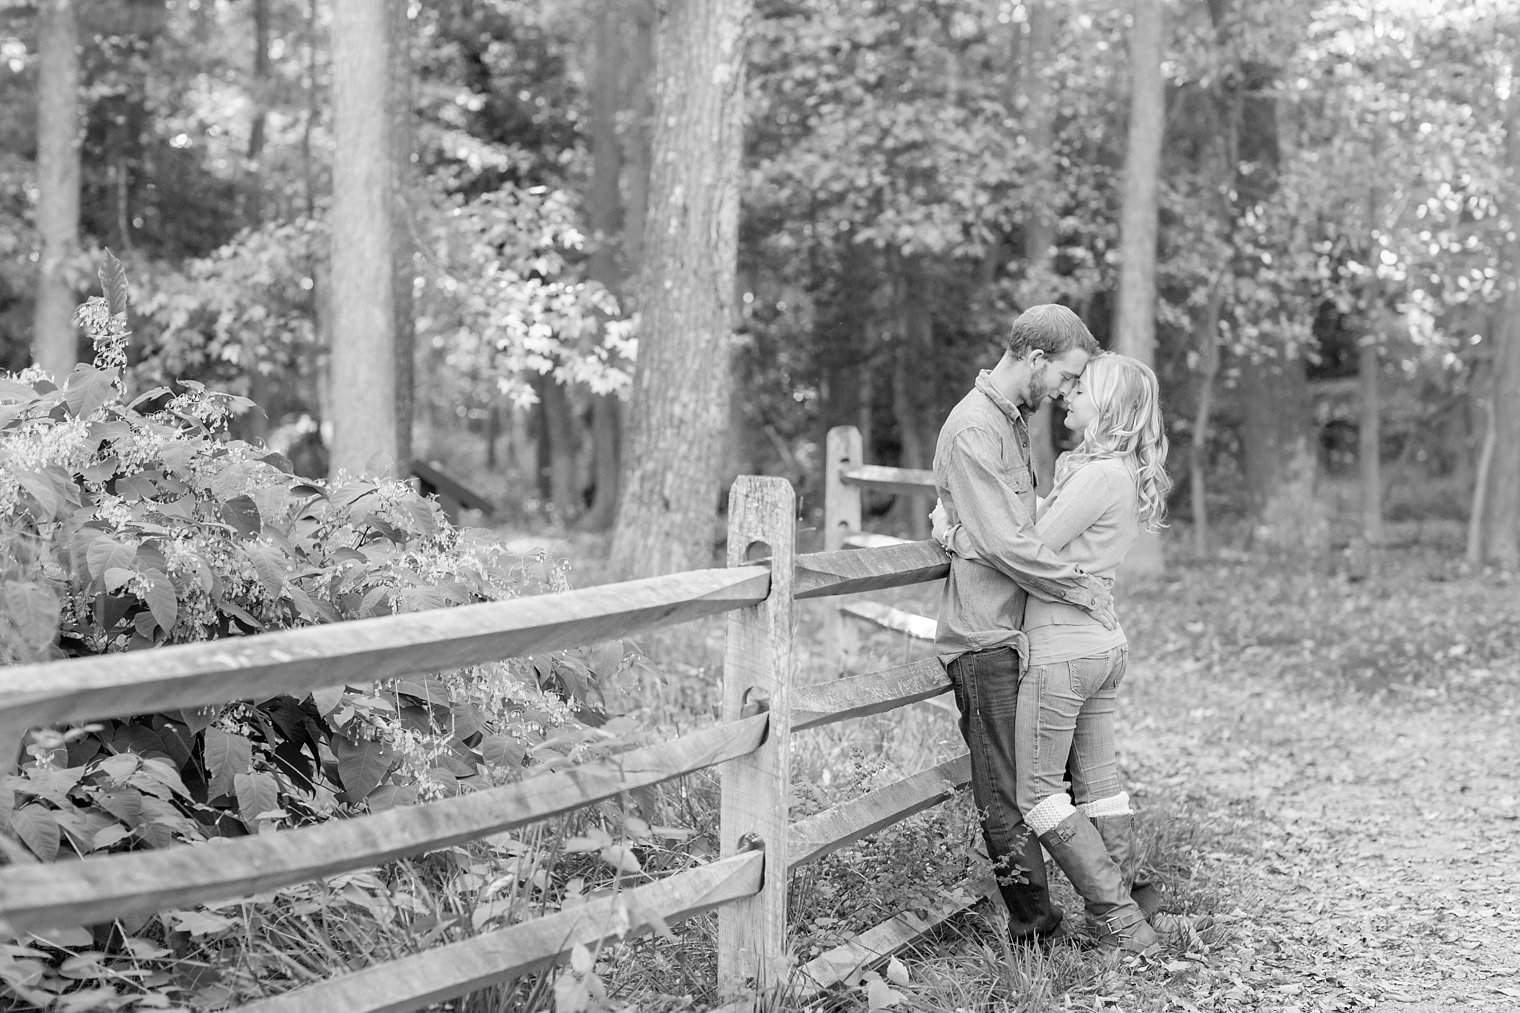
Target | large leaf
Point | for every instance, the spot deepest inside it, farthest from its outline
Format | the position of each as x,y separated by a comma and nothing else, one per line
123,803
162,601
37,829
503,751
113,282
227,755
361,765
257,793
87,388
242,515
105,553
34,609
269,564
41,490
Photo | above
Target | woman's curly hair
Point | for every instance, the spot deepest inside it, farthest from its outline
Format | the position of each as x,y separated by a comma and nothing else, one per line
1128,426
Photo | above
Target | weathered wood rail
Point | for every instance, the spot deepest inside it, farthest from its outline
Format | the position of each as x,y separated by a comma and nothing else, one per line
846,479
762,707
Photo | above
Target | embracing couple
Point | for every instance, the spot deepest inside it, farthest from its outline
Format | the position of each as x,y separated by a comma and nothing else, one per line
1026,627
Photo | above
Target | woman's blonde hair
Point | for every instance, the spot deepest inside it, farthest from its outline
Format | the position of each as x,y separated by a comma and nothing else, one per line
1128,426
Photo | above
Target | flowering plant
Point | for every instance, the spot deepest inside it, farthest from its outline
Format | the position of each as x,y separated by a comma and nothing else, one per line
125,525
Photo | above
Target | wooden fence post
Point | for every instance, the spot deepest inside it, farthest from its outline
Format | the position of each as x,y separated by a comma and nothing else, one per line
757,673
841,516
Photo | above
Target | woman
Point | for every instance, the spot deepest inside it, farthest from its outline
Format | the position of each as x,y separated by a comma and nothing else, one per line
1108,489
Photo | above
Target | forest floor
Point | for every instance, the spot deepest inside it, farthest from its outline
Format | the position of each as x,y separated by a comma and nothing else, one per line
1328,777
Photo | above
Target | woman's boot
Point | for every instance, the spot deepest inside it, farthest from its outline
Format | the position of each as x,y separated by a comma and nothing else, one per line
1118,833
1079,850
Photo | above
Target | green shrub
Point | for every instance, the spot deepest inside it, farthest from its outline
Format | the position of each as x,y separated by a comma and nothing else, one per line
127,525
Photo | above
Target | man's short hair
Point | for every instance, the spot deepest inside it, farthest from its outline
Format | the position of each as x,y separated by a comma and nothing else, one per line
1053,329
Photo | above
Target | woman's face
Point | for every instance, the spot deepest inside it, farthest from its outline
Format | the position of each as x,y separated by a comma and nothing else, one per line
1081,409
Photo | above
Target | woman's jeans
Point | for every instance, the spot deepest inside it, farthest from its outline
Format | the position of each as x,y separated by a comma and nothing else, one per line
1065,722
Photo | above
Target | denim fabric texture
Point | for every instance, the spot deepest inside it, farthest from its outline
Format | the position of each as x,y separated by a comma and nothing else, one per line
1065,723
986,685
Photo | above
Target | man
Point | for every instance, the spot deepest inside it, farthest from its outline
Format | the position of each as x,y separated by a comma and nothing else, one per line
985,481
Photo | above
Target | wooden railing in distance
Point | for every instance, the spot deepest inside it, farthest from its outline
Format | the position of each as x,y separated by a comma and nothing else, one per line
846,478
762,706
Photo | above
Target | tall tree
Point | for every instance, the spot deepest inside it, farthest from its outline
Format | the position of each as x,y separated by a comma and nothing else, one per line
666,511
1135,315
604,208
1031,87
1494,535
363,375
58,171
403,224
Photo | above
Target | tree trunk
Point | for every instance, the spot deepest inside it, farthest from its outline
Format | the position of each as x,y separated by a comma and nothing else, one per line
843,341
1281,458
912,385
604,211
1496,501
1499,520
1369,365
666,515
364,334
253,425
1203,417
54,344
1040,227
403,240
559,445
1135,316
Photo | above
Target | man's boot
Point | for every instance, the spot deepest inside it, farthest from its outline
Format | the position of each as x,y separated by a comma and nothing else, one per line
1118,833
1079,850
1021,879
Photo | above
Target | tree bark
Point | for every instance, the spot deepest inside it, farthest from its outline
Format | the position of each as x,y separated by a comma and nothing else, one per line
1203,416
1135,315
1496,501
253,425
54,343
666,514
363,334
605,214
1369,365
403,240
1033,88
913,386
558,428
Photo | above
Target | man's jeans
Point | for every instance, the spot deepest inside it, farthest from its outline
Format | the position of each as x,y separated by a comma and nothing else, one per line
1065,723
986,685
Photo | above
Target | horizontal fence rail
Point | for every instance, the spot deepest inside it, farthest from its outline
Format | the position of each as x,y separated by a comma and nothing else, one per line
97,889
748,747
500,956
364,650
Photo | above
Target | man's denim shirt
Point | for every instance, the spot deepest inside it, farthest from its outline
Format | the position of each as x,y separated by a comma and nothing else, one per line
984,478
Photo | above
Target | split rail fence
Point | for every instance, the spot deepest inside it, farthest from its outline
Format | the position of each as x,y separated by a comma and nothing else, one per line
762,708
846,480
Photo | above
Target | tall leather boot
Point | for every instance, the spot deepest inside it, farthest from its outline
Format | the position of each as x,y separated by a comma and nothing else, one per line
1079,850
1022,881
1118,833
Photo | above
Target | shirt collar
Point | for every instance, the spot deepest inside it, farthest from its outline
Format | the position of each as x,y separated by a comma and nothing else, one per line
1017,414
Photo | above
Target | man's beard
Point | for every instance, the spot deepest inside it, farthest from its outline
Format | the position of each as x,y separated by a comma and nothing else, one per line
1036,393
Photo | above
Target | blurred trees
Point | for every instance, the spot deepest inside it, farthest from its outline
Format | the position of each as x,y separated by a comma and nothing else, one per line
1329,305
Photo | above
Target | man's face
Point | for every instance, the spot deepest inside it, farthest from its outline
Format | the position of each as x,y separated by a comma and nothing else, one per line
1050,378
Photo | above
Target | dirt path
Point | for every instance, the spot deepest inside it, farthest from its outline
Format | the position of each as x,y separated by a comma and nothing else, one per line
1370,845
